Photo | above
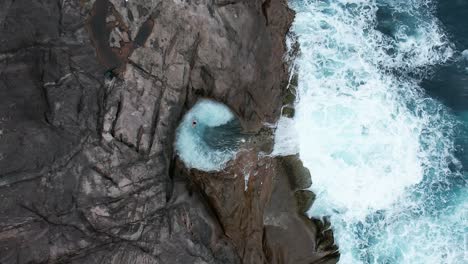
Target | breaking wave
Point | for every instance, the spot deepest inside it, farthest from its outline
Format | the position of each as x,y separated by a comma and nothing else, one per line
380,151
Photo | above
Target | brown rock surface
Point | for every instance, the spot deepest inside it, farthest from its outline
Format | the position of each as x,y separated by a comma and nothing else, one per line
91,92
238,196
254,200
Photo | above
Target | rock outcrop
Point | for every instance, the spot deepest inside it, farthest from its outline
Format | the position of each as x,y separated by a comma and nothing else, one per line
260,205
91,92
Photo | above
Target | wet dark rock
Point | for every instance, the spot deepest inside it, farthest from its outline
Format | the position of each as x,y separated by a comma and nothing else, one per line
91,92
305,199
290,93
289,235
263,140
290,97
299,176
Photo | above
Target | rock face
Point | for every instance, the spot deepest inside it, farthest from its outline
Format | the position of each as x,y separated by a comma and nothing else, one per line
91,92
254,200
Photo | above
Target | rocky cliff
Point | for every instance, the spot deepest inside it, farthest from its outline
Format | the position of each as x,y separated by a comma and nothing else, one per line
91,92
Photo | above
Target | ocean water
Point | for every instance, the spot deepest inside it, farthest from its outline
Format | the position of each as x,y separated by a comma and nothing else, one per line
210,142
382,124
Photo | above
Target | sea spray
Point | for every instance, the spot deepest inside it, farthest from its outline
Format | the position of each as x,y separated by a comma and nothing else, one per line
379,150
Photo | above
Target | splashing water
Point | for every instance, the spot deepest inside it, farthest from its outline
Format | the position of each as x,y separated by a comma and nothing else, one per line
208,136
381,152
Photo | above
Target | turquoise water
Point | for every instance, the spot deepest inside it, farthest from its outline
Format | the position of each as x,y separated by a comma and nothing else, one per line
382,124
208,136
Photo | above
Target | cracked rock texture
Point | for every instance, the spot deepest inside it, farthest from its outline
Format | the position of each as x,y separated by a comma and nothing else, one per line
91,92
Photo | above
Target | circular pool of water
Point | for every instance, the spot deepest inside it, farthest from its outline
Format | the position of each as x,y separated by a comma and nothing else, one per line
208,136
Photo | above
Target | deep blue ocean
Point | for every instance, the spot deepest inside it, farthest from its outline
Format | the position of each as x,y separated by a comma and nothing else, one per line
449,82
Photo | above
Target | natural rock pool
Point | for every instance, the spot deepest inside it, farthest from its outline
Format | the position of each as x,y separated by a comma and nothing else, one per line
208,136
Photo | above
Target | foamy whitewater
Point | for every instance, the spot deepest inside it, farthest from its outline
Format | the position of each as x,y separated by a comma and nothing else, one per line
195,142
379,150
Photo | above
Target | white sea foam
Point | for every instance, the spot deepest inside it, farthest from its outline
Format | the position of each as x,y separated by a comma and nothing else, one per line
374,143
190,144
286,142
